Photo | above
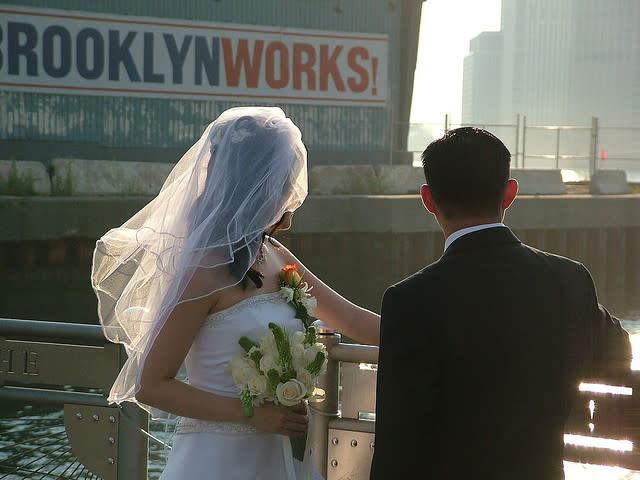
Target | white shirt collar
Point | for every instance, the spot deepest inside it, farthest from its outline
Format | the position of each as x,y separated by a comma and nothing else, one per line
463,231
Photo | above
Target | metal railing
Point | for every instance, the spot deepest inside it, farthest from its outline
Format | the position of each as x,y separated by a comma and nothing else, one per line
587,147
69,366
38,358
603,428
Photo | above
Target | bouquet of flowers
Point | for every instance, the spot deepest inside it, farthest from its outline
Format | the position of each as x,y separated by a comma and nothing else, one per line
280,367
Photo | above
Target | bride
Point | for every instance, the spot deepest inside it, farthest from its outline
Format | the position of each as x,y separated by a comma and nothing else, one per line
196,269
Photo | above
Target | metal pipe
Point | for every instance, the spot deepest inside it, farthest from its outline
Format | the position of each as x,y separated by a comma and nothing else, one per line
133,446
10,327
524,136
557,148
593,146
50,397
517,137
326,410
347,352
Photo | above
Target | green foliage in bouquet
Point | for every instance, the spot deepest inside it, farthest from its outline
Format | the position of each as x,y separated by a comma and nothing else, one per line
246,343
284,351
247,403
311,336
315,366
274,379
282,343
301,313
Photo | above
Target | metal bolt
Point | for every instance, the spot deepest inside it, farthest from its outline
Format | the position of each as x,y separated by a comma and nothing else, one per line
334,463
334,440
112,440
372,444
110,461
354,443
79,415
112,419
95,417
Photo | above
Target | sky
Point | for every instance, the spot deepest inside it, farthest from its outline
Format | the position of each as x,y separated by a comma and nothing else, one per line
445,30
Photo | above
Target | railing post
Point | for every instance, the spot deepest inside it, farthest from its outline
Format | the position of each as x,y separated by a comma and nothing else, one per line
517,137
593,147
557,148
133,445
524,136
323,412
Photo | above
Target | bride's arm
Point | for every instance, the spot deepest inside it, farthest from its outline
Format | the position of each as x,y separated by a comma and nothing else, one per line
348,318
160,389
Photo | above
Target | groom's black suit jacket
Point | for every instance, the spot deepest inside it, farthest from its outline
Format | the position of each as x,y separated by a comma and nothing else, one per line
481,354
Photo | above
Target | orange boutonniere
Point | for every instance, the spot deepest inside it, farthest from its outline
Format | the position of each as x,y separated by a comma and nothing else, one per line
290,277
295,292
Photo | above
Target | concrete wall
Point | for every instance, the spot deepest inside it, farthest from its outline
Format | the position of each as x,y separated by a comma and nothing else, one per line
358,244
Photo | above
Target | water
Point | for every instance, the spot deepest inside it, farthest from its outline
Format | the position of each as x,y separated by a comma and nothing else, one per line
35,439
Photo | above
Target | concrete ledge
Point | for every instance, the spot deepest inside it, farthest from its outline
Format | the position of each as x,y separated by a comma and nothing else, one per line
365,179
538,182
405,213
26,169
406,180
46,218
107,177
609,182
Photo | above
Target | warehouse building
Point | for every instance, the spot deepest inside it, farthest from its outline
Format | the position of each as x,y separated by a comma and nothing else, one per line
139,80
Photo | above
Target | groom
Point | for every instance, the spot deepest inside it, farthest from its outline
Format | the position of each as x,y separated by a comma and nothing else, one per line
481,352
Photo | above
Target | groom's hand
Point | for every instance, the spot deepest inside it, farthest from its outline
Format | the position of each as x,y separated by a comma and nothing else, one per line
291,421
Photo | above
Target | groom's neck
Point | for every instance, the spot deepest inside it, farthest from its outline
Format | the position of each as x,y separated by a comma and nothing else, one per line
451,225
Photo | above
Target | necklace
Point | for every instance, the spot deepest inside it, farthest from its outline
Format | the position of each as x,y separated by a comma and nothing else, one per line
262,255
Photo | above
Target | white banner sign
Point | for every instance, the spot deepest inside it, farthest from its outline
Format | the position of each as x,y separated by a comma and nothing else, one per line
86,53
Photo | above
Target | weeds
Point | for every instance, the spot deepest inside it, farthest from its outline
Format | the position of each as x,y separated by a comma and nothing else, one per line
17,184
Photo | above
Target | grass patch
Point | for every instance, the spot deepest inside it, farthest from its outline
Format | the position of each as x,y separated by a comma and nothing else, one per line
17,184
62,184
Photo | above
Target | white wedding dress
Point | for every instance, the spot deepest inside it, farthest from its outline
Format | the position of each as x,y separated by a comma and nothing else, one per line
221,450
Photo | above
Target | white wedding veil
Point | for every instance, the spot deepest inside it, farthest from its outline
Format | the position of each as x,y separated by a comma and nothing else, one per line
209,219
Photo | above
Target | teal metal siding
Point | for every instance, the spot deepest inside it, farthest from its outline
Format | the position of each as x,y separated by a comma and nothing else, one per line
135,122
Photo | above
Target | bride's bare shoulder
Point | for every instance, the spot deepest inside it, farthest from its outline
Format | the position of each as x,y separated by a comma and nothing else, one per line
282,251
203,289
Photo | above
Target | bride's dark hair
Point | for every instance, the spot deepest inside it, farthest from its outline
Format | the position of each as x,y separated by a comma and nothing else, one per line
241,255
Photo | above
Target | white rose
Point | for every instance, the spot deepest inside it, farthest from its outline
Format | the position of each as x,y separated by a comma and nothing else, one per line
268,345
305,377
287,293
291,392
242,370
258,385
312,351
309,303
297,338
297,356
298,351
269,362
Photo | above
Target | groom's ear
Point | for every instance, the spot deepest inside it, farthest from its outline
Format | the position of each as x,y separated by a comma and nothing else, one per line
427,199
509,193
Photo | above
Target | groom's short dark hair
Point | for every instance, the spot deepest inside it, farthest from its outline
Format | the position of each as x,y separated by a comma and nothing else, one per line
467,172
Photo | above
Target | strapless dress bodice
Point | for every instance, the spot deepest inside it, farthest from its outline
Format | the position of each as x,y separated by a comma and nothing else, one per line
217,341
218,450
